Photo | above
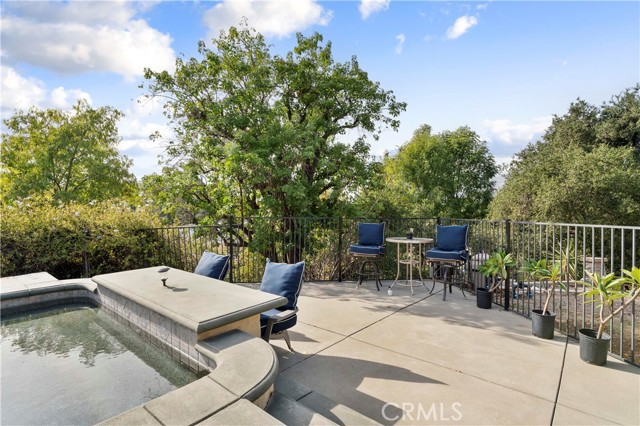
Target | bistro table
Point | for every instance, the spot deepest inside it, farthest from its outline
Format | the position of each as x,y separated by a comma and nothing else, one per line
409,261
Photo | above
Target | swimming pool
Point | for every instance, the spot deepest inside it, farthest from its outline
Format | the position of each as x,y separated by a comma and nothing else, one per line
75,364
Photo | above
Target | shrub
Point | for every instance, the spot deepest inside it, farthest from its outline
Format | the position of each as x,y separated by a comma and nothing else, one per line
73,240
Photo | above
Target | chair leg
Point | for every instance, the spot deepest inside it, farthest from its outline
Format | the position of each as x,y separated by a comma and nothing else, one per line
432,271
445,278
360,273
376,267
285,334
464,283
268,330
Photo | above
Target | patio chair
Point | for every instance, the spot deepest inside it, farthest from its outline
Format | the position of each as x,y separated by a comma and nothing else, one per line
370,249
212,265
284,280
450,255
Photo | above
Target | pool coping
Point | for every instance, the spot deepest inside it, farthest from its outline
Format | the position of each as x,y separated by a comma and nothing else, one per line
220,389
231,381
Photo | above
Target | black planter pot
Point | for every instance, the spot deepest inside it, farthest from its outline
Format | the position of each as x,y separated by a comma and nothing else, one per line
483,298
543,325
593,350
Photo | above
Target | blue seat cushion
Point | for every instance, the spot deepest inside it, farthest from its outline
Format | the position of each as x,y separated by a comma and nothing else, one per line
283,279
451,238
447,254
279,326
212,265
371,234
368,250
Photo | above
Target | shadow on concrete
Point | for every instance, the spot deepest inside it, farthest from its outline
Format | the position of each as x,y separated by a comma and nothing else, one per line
320,371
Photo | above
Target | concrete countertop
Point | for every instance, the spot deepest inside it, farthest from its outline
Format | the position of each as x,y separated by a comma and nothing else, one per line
194,301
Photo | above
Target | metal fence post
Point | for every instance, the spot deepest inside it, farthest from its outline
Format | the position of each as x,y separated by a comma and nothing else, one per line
231,242
340,249
507,287
85,254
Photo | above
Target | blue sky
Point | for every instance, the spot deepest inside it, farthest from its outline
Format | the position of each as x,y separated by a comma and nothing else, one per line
502,68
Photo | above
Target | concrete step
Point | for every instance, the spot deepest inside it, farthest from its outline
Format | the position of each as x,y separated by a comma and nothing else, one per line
292,413
337,413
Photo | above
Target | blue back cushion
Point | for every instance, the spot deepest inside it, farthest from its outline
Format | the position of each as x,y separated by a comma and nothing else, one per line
371,234
212,265
284,280
451,238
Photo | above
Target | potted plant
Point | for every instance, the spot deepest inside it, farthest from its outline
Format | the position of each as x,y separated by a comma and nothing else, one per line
605,290
543,321
495,267
410,234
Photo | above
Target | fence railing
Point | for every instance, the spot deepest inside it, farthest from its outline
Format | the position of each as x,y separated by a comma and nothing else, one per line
323,243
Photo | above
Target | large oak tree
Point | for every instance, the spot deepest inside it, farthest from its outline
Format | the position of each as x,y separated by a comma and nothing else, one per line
257,133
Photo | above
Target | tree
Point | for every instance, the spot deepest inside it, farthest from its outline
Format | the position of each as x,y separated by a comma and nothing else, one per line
72,155
448,174
264,129
586,168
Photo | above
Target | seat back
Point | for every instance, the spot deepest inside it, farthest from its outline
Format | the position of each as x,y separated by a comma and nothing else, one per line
212,265
371,234
452,237
283,279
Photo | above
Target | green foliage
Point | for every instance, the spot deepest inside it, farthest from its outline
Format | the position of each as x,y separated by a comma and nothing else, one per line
542,271
38,236
496,266
606,289
258,134
71,155
449,174
585,170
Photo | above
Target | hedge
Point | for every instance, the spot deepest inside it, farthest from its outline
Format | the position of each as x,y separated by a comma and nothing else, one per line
72,241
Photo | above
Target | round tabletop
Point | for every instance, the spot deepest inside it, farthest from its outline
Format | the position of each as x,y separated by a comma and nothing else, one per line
405,240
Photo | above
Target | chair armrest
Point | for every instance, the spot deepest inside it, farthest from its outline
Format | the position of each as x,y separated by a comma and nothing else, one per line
275,315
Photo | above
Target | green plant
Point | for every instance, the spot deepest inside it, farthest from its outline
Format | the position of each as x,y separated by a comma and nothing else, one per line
543,272
606,289
496,265
74,240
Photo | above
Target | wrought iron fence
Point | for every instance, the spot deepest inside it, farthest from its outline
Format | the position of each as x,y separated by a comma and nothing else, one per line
323,243
579,248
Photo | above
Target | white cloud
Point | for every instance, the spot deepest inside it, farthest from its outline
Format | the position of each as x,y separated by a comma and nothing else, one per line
482,6
278,18
19,92
142,118
401,38
63,98
369,7
505,132
74,37
23,93
461,26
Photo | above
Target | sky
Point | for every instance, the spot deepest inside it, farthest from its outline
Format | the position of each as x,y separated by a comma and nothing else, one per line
503,68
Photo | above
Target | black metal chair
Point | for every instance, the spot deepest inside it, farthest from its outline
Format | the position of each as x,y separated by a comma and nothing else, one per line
370,249
283,280
450,255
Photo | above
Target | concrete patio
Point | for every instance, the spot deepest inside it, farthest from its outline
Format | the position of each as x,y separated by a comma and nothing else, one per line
364,357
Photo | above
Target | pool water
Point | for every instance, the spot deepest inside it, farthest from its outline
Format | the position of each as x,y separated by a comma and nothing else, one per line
77,366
